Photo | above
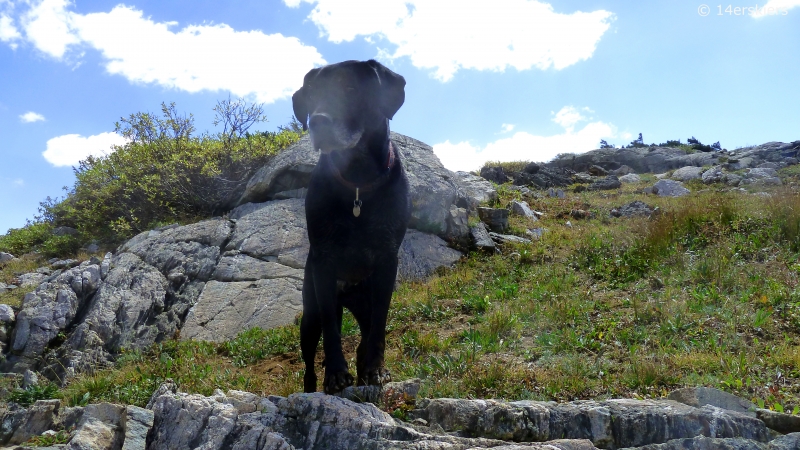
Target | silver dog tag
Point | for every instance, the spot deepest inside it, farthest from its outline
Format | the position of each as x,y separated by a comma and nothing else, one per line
356,205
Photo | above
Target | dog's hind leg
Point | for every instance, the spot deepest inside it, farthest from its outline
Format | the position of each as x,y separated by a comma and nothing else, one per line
381,287
358,302
310,332
330,309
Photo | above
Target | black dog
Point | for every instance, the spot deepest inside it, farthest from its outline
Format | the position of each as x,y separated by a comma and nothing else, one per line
357,210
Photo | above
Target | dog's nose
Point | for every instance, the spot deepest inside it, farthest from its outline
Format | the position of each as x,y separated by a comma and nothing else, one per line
320,120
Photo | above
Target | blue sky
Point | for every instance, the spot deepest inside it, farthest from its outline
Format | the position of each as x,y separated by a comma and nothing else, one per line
499,80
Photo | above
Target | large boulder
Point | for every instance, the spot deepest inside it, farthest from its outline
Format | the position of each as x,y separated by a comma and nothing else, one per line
433,188
687,173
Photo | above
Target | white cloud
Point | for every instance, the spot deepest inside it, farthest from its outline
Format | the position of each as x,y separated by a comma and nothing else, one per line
8,32
776,8
31,116
524,146
569,116
69,149
507,127
48,26
450,35
195,58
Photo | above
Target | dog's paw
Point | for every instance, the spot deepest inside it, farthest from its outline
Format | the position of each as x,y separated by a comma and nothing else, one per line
310,382
378,376
337,381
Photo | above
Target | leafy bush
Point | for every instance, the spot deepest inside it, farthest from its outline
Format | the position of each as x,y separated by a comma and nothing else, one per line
165,173
31,394
38,236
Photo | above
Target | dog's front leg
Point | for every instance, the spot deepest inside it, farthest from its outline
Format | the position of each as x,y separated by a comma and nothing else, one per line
336,375
382,287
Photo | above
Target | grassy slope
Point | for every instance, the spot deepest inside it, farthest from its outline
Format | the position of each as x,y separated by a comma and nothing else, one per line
705,294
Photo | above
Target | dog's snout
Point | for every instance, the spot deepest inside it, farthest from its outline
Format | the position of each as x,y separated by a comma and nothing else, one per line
320,120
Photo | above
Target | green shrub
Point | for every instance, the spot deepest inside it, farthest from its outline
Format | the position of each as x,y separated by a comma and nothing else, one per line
165,173
31,394
38,236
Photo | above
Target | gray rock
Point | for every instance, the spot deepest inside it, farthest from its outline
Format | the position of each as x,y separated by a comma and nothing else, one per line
688,173
582,177
481,239
556,193
46,312
789,442
457,224
275,232
535,233
241,267
310,421
421,254
763,177
432,188
31,279
266,303
64,263
522,209
5,257
92,247
531,168
714,175
494,218
44,270
605,184
476,189
101,427
623,170
495,174
288,170
597,171
780,422
701,396
6,314
20,424
138,422
706,443
732,179
608,424
630,178
387,395
506,238
632,209
29,378
769,165
669,188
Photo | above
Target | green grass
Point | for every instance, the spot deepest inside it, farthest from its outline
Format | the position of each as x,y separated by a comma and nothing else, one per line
706,293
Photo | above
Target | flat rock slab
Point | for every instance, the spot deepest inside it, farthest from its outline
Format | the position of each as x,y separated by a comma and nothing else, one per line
225,309
701,396
421,254
669,188
608,424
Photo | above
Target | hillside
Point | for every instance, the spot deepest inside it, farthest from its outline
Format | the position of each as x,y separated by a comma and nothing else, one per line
605,283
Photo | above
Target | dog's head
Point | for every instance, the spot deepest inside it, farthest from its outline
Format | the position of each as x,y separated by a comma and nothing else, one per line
340,102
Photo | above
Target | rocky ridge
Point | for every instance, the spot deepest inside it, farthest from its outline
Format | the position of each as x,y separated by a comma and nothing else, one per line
242,420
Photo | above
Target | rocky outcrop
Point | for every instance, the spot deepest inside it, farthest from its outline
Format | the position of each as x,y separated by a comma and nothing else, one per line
244,421
663,159
434,189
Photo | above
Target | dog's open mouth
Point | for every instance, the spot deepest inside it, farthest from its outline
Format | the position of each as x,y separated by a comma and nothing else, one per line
332,138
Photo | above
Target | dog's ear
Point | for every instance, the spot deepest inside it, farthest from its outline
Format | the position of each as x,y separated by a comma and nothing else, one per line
300,106
393,92
300,100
